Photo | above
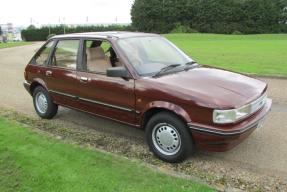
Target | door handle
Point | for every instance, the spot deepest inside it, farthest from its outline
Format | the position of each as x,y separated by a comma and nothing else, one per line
49,73
84,79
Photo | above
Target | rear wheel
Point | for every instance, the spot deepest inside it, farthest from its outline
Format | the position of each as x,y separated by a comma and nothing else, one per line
43,103
168,137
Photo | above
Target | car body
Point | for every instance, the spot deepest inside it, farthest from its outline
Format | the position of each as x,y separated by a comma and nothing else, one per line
182,106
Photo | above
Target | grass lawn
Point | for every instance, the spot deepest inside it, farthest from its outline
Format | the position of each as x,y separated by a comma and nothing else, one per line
259,54
30,161
13,44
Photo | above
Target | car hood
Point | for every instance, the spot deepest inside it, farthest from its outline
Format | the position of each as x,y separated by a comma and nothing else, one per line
213,87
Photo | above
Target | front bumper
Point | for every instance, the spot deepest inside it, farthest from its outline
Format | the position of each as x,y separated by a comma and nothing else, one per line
223,138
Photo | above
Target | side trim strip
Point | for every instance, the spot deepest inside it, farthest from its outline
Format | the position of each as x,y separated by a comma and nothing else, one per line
93,101
64,94
222,133
106,104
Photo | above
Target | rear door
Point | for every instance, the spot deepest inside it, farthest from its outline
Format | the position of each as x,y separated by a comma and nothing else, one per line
38,65
61,76
105,96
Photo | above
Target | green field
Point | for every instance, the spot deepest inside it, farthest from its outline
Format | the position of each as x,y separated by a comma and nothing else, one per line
30,161
258,54
13,44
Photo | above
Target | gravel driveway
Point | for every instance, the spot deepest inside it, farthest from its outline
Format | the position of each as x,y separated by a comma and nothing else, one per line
264,152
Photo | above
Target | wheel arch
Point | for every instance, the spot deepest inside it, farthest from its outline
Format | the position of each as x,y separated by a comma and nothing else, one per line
159,106
36,83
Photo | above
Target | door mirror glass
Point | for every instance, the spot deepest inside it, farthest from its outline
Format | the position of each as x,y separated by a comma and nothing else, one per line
118,72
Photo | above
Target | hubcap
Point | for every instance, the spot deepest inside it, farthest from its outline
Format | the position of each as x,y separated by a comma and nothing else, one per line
166,139
41,102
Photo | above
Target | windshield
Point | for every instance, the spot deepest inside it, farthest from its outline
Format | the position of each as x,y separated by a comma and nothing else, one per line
149,55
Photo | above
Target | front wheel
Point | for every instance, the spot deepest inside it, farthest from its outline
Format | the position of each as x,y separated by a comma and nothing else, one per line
168,137
43,104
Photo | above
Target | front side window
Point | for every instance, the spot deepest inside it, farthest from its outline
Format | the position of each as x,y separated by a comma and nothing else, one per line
99,56
150,54
42,57
65,55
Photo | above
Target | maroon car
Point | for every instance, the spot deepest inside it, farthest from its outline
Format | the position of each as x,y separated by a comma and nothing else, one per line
145,81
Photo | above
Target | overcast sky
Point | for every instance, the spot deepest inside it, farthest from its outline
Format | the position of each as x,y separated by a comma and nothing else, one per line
20,12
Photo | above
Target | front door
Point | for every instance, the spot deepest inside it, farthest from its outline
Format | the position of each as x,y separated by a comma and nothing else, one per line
61,76
105,96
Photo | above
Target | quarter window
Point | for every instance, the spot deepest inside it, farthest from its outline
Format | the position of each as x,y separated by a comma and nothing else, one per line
65,55
42,57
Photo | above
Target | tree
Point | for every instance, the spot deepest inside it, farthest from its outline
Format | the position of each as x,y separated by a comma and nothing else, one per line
31,27
1,31
153,15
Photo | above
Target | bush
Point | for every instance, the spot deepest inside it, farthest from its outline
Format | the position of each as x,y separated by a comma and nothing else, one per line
183,29
236,33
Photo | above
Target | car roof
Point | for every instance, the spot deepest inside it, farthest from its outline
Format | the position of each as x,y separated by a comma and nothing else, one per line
107,34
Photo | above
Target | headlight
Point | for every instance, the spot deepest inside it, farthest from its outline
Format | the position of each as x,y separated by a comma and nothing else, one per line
230,116
233,115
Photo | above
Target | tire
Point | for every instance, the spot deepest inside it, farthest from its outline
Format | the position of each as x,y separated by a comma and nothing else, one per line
168,137
43,103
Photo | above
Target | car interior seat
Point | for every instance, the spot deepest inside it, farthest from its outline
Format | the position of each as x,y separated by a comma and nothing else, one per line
97,60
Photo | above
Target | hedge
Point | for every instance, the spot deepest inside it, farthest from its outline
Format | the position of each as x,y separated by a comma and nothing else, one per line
210,16
41,34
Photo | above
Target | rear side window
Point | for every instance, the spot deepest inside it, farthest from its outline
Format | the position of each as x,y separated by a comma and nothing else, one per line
42,57
65,55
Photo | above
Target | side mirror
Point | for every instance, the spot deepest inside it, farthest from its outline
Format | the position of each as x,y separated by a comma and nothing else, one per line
118,72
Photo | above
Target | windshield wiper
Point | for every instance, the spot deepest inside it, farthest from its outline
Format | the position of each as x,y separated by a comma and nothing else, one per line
167,68
190,65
